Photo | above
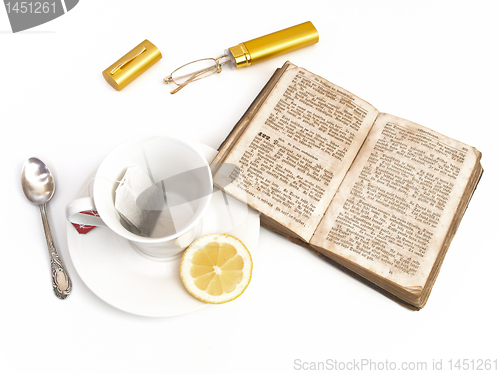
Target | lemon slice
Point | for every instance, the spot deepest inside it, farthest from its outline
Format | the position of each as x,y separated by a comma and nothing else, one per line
216,268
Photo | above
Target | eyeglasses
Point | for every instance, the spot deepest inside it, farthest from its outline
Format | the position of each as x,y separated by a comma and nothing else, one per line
195,70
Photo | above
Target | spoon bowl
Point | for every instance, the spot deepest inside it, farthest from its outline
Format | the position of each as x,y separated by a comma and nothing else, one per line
38,186
37,181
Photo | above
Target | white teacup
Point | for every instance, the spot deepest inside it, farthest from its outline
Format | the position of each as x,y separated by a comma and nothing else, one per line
163,158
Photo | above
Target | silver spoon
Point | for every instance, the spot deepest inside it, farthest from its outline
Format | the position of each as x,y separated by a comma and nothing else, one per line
38,187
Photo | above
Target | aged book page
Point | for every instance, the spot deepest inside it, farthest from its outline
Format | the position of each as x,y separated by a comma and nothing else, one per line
396,212
245,120
296,149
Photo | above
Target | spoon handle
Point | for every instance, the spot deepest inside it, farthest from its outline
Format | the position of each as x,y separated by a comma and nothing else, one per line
61,282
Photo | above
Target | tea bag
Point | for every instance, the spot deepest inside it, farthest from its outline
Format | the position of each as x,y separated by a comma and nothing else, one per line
140,219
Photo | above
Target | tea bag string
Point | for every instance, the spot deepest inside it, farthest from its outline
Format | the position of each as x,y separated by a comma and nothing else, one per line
120,183
91,183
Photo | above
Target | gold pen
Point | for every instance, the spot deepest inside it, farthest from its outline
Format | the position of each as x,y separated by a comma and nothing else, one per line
272,45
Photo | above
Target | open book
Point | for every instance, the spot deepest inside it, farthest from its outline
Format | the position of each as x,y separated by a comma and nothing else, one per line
378,195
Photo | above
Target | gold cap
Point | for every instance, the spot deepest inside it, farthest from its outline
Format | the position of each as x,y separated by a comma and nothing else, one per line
133,64
275,44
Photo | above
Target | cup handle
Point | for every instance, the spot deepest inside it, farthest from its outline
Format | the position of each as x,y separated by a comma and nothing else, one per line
74,208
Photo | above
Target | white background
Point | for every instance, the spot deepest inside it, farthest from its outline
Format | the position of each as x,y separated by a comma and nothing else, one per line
434,63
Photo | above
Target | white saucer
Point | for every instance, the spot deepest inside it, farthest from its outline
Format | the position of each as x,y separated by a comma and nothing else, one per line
131,281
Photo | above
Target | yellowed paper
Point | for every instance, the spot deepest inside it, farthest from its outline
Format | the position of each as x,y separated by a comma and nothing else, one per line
297,149
393,211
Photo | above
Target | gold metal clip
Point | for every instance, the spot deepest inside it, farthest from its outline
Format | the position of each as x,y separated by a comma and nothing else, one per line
126,62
